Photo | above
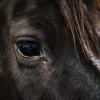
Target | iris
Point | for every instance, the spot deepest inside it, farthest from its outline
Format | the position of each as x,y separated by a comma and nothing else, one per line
28,48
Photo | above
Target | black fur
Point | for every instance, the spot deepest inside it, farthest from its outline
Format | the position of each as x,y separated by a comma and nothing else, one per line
62,74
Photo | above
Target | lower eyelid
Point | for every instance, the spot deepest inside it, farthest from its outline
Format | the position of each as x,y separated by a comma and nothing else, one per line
31,62
32,57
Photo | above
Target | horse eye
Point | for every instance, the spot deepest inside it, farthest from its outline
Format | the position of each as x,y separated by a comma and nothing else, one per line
28,48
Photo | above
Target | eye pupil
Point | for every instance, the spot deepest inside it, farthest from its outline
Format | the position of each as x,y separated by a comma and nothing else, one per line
29,48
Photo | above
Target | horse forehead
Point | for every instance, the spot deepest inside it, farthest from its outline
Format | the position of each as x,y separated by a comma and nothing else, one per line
19,7
32,1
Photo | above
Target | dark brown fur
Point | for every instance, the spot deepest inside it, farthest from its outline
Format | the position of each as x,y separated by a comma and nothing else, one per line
65,64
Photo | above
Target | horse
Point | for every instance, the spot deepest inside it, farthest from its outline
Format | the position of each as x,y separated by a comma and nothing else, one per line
49,50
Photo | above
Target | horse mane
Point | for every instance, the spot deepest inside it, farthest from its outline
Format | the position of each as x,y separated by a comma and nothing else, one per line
79,18
97,4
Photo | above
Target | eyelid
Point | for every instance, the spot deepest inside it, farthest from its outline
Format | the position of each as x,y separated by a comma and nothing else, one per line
25,32
26,38
32,61
35,58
